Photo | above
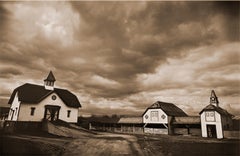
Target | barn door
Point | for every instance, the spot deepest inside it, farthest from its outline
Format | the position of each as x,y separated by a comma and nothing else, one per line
51,112
211,131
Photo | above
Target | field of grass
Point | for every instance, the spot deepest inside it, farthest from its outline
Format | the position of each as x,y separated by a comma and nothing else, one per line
187,146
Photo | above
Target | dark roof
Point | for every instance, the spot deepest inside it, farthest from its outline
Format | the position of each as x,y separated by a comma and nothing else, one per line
30,93
100,119
215,108
131,120
187,120
50,77
169,108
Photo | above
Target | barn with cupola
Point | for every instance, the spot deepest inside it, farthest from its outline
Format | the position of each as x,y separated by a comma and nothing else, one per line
35,103
214,119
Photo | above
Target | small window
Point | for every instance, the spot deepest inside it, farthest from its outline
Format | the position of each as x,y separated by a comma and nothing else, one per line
68,113
154,116
54,97
163,116
16,111
32,110
146,116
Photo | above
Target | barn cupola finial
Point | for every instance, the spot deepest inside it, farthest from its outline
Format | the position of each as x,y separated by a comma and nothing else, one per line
49,81
214,99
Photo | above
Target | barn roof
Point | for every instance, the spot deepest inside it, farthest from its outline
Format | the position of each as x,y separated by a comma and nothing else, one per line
101,119
220,110
169,108
131,120
187,120
31,93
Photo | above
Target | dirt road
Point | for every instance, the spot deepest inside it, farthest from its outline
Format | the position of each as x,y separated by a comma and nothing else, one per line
104,144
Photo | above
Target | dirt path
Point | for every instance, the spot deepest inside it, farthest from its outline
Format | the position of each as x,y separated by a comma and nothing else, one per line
104,144
111,144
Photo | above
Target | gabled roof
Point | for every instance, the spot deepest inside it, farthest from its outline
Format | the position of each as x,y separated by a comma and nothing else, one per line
131,120
220,110
50,77
31,93
169,108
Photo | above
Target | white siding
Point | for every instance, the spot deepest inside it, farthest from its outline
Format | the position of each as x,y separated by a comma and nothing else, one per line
149,116
25,110
217,122
156,130
14,109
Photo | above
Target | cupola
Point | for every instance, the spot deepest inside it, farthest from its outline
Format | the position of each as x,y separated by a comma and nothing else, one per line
214,99
49,81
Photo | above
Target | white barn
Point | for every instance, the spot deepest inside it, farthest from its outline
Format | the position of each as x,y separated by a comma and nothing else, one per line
35,103
158,117
214,119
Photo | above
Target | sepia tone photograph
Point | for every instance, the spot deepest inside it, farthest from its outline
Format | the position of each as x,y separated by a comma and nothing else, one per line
113,78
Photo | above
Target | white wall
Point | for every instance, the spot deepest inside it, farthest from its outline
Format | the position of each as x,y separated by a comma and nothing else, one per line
14,106
217,122
148,119
156,130
25,110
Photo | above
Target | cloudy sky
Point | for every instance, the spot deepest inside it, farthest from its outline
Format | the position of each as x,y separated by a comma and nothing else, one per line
120,57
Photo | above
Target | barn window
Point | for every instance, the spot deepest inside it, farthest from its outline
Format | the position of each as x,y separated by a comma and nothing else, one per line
68,113
32,110
210,116
16,111
154,116
163,116
146,116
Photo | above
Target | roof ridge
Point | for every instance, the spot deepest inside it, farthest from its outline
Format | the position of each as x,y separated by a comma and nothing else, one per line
42,86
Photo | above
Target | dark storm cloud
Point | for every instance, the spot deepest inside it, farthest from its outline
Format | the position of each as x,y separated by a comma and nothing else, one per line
141,39
9,72
4,14
104,49
231,12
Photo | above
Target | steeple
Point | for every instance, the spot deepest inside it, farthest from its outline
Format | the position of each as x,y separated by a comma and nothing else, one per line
49,81
214,99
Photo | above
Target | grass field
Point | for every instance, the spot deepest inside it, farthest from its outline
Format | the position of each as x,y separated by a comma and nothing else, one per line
187,146
106,144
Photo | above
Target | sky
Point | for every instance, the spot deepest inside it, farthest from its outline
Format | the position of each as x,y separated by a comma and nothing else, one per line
121,57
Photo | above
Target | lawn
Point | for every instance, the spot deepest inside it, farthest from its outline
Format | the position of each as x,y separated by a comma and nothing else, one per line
187,146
